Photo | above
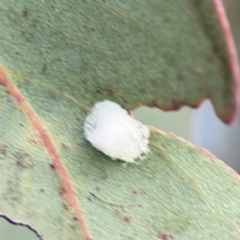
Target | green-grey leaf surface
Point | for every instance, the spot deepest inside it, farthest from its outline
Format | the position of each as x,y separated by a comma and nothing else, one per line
57,58
160,53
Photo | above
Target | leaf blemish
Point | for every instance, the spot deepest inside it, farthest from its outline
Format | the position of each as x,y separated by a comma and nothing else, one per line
3,149
180,76
73,227
30,163
20,164
52,166
114,70
64,146
209,58
199,71
165,237
44,68
25,13
62,191
126,219
66,207
111,90
134,192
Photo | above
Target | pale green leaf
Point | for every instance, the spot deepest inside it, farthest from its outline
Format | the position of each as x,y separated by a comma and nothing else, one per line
59,57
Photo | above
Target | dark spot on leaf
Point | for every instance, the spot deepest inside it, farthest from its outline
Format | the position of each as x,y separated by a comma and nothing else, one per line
126,219
114,70
44,68
111,90
194,41
64,146
98,91
84,81
180,76
66,207
27,36
198,71
127,34
154,82
89,199
93,195
3,149
75,219
25,13
175,104
165,237
27,83
62,191
17,53
41,190
143,90
52,166
209,58
32,141
14,199
20,164
92,29
73,227
86,44
23,160
97,188
134,192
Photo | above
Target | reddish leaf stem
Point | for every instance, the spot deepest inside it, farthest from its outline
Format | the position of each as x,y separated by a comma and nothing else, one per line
221,14
56,161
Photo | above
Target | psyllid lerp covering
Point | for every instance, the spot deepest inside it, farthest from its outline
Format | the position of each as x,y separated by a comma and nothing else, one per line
110,129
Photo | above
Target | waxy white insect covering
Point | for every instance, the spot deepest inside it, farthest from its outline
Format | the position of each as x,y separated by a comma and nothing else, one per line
110,129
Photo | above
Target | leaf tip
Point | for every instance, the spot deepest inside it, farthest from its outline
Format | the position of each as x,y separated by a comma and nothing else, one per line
233,59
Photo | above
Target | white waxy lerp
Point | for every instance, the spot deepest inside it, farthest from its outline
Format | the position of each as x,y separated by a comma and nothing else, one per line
110,129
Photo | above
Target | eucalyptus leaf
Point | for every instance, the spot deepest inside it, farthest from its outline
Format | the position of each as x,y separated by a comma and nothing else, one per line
57,59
